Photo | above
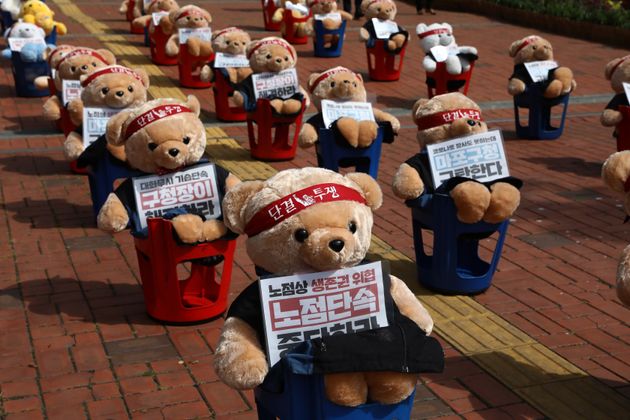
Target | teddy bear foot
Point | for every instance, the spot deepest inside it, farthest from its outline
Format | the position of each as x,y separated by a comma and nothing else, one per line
349,130
346,389
368,131
504,199
390,387
291,106
212,230
72,148
553,90
206,73
189,228
471,200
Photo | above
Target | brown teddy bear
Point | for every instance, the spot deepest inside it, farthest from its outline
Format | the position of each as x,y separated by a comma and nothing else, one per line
298,10
325,7
379,12
53,56
330,229
156,6
115,87
341,85
192,17
618,72
535,48
445,117
71,65
161,136
270,55
232,41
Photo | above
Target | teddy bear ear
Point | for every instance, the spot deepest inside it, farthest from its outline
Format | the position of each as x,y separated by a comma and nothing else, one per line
143,75
368,185
235,202
420,102
113,132
206,15
311,80
514,47
172,16
420,28
250,46
610,67
358,75
448,26
109,56
193,104
364,5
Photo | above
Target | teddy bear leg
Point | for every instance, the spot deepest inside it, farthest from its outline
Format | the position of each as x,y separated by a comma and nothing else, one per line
189,228
623,277
453,65
213,230
112,217
291,106
565,76
172,47
554,89
206,74
41,82
610,117
237,97
407,183
399,40
364,35
471,200
516,87
194,46
390,387
205,49
242,73
368,131
232,74
348,389
52,108
308,136
504,199
349,130
73,146
277,105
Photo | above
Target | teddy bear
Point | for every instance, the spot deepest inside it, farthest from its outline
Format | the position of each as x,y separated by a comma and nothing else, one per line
618,72
189,17
380,12
232,41
53,55
156,6
340,84
161,136
270,55
442,118
329,229
298,10
37,12
70,64
115,87
29,52
440,35
136,5
535,48
325,7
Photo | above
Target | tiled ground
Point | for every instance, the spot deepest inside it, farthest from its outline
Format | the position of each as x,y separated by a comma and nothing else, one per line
548,339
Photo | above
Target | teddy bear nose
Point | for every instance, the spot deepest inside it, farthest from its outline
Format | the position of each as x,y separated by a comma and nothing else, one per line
336,245
173,152
278,60
120,93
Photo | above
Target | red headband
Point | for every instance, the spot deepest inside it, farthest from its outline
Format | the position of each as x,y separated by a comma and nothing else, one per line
525,43
225,31
153,115
326,75
618,64
441,118
81,51
433,32
108,70
287,206
274,41
57,51
191,12
322,1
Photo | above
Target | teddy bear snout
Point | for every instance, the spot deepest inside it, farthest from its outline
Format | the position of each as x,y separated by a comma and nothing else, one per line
541,53
170,154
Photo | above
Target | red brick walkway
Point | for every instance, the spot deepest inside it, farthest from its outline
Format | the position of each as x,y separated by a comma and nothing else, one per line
77,343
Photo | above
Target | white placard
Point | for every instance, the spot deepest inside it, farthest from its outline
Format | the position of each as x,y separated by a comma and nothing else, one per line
95,122
307,306
332,111
276,85
53,73
222,60
539,70
157,17
626,87
384,28
204,34
70,89
440,53
336,16
194,189
298,7
480,156
16,44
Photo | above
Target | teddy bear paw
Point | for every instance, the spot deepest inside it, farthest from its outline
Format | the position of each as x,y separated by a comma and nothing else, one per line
212,230
52,110
553,90
504,199
194,46
189,228
471,200
349,130
291,106
72,149
611,117
368,131
276,104
251,372
206,73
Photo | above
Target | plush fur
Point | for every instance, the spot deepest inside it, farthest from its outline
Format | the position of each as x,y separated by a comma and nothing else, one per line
539,49
618,72
474,201
37,12
239,359
184,133
113,90
232,41
299,29
197,18
384,10
322,7
137,8
455,63
344,85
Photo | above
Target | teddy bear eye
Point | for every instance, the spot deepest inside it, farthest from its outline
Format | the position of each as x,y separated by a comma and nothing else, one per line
378,9
352,227
332,84
268,56
534,47
104,91
186,140
471,123
130,88
300,235
152,146
93,64
73,69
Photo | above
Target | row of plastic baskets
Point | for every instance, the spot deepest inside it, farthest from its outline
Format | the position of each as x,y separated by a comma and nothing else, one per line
540,109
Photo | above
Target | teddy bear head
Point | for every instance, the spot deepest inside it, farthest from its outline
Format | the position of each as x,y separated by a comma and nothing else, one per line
618,72
304,220
531,48
54,55
337,84
381,9
115,87
32,7
190,17
321,7
159,135
24,30
161,6
435,34
271,54
230,40
446,117
82,61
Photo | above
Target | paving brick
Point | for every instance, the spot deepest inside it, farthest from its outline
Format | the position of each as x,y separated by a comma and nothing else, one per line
107,408
162,398
146,349
223,400
22,404
493,393
105,391
139,385
193,410
170,380
19,389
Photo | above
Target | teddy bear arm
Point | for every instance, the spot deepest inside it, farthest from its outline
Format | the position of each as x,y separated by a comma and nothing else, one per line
516,86
429,64
407,183
308,136
52,108
61,28
41,82
75,110
29,19
278,15
344,15
124,6
616,169
141,22
172,46
239,359
610,117
364,34
410,306
166,25
113,216
382,116
467,50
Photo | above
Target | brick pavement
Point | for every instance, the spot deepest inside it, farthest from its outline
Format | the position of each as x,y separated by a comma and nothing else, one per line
548,338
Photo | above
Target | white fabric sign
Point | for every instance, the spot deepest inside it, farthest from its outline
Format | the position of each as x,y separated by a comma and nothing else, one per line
95,123
71,89
626,88
480,156
332,111
276,85
336,16
441,53
157,17
16,44
204,34
193,189
223,60
384,28
307,306
539,70
298,7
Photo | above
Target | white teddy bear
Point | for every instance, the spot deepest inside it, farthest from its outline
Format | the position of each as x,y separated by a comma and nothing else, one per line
439,45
